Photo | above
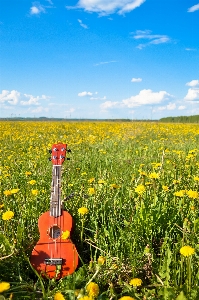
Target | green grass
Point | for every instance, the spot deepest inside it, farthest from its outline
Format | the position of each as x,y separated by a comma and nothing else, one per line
140,235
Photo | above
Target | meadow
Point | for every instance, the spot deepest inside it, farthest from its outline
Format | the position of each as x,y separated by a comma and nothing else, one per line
132,190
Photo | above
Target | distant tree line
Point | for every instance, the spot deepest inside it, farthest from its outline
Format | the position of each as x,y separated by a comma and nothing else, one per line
181,119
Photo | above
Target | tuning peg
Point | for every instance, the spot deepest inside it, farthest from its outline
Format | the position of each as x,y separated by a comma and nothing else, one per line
61,156
69,151
50,151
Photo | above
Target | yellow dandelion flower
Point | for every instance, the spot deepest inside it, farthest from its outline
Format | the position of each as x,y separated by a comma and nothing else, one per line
28,173
85,298
102,151
83,210
114,186
193,150
176,181
143,173
153,175
91,191
92,289
7,193
6,175
77,292
192,194
91,180
14,191
101,181
179,193
148,183
196,178
101,260
1,206
35,192
32,182
59,296
84,173
114,267
158,165
4,286
140,189
65,235
136,282
127,298
8,215
187,251
165,188
192,207
141,165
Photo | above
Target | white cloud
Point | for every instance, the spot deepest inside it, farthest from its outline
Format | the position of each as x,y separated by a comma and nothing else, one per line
109,104
193,83
154,39
50,2
14,97
160,108
33,100
194,8
84,94
190,49
193,92
105,62
34,10
10,97
192,95
70,110
136,79
181,107
160,40
171,106
98,98
106,7
37,8
146,97
81,24
39,109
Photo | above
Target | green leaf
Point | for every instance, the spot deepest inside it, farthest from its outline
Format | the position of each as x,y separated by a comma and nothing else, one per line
181,296
5,247
20,230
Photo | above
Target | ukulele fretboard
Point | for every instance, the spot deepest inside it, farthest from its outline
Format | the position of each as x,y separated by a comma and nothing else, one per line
55,199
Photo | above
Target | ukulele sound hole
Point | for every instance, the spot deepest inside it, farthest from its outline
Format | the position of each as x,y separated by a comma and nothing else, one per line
54,232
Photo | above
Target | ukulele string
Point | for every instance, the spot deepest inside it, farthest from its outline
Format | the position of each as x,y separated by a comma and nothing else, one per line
52,221
56,212
59,207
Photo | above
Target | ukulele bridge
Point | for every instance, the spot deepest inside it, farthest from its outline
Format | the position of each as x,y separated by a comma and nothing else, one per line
53,261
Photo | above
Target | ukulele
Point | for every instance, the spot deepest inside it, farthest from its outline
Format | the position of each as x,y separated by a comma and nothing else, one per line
55,256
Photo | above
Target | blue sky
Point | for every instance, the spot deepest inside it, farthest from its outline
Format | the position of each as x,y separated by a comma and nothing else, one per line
136,59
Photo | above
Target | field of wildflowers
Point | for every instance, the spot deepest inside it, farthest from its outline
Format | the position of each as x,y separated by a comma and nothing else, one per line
132,190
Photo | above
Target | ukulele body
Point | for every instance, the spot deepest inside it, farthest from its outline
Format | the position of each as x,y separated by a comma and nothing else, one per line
51,252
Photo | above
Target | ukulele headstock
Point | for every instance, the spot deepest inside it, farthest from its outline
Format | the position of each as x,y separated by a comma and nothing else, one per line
58,153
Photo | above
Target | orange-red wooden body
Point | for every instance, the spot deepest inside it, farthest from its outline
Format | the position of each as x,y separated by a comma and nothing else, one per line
54,248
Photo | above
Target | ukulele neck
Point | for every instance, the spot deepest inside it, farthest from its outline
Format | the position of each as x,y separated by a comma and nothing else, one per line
55,199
